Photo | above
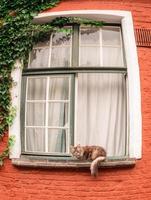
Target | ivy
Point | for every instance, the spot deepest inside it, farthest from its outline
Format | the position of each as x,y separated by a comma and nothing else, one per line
17,36
16,40
6,151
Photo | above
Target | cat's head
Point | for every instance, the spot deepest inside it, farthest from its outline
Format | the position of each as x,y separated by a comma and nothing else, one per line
77,151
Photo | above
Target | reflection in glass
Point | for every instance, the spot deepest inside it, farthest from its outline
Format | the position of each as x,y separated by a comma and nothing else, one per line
61,38
44,41
39,58
90,36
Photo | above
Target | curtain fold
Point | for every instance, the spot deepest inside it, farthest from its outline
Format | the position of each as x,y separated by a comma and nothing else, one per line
101,112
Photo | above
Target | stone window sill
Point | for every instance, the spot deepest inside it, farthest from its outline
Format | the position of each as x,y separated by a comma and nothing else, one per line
47,163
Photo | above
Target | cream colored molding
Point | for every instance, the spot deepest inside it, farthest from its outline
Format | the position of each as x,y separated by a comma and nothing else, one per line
16,97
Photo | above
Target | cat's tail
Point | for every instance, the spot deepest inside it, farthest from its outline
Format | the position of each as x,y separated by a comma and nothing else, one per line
94,165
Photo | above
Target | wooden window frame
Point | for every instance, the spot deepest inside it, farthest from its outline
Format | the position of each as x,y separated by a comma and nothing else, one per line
71,118
72,70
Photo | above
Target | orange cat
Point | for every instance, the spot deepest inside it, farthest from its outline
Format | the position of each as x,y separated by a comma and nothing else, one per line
95,154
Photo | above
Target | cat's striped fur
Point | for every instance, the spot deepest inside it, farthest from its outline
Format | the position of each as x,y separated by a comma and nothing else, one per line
96,154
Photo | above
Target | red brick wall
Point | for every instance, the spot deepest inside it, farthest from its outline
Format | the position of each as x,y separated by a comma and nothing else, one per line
113,184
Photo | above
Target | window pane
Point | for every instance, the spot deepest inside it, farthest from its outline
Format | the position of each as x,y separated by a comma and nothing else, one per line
58,114
61,49
90,35
59,88
35,114
89,56
111,36
61,38
44,41
112,57
60,57
35,140
57,140
102,102
36,88
39,58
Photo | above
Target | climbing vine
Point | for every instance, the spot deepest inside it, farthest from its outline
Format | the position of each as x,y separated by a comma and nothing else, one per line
18,34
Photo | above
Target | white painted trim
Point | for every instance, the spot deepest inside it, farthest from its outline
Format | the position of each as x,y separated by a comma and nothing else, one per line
103,15
135,119
16,96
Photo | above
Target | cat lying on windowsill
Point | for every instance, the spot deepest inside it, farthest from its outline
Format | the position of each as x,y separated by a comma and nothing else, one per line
96,154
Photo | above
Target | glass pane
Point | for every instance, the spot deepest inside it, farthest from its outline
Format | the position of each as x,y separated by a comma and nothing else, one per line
59,88
61,38
111,36
44,41
101,112
112,57
35,114
35,140
90,35
39,58
36,88
89,56
58,114
57,140
60,57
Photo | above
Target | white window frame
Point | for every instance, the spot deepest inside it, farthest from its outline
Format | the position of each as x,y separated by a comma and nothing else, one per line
134,95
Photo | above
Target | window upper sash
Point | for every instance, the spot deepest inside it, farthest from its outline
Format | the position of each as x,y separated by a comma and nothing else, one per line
86,47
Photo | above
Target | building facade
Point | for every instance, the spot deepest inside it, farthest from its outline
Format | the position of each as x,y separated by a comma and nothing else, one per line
120,181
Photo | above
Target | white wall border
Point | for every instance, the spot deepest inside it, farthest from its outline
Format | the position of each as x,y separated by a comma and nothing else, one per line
135,119
16,100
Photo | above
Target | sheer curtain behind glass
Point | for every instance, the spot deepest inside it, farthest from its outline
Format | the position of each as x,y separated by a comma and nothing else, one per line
58,114
101,97
47,101
47,114
101,112
35,114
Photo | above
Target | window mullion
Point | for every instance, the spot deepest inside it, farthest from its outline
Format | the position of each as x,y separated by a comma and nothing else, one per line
50,50
72,110
46,122
75,46
23,110
127,117
101,48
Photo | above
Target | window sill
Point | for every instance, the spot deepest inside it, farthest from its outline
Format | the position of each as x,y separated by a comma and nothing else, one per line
47,163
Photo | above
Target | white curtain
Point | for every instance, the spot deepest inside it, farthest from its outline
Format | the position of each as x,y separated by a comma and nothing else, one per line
35,114
57,114
100,101
101,112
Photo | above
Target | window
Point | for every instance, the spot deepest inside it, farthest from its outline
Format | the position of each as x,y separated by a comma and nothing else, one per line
74,92
74,84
